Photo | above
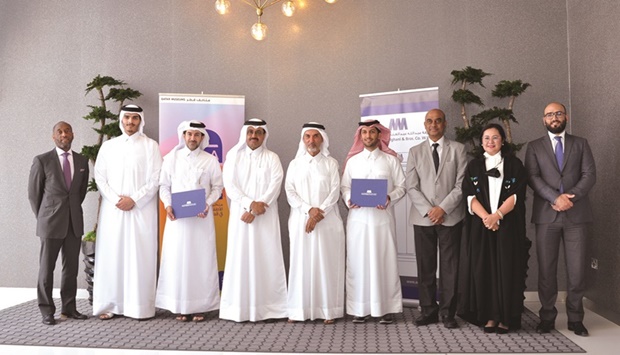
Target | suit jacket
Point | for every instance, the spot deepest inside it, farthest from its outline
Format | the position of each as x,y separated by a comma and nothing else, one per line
577,176
427,189
50,200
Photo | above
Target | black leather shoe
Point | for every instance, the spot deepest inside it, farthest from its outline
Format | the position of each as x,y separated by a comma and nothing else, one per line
501,330
544,326
489,329
578,328
73,315
449,322
357,319
387,319
426,319
49,319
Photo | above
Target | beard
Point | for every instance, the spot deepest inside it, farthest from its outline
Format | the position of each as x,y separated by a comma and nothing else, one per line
370,143
313,149
558,129
64,144
130,129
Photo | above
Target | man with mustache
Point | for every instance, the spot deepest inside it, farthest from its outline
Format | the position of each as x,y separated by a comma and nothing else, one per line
189,243
561,172
372,280
127,176
254,286
316,274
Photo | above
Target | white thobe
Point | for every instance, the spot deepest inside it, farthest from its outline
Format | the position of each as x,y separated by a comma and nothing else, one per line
126,248
372,279
188,276
254,286
316,271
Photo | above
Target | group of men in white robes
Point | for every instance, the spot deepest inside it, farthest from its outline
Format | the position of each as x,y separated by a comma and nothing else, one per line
254,285
129,172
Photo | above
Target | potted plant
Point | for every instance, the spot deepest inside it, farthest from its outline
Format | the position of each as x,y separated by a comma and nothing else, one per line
473,127
106,126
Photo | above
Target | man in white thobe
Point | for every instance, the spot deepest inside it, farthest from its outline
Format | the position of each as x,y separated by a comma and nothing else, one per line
372,280
188,278
127,175
254,286
316,273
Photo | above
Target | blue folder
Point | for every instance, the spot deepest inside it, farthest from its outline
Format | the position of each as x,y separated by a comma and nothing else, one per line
188,203
368,192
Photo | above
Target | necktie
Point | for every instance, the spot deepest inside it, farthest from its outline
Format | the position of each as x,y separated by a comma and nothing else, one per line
559,156
66,169
436,156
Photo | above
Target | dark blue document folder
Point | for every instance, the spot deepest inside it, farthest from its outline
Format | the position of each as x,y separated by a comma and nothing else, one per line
188,203
368,192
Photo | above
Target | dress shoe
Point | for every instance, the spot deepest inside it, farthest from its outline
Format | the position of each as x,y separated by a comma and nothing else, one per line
49,319
501,330
489,329
73,315
578,328
449,322
387,319
544,326
426,319
357,319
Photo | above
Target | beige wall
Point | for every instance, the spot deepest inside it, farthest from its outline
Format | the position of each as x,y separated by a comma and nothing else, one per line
595,106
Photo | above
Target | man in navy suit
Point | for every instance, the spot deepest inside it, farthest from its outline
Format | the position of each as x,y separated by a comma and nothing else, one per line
56,189
561,172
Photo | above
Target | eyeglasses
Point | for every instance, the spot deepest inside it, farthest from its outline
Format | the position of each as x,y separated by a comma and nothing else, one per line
554,114
491,138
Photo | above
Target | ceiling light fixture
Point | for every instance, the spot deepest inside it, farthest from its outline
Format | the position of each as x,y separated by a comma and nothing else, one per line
259,29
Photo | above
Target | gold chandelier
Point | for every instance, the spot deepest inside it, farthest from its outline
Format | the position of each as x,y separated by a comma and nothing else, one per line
259,29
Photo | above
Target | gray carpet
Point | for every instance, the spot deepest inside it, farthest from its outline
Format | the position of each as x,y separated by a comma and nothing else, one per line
21,325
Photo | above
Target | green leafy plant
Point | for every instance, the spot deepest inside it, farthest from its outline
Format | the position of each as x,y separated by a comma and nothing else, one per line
472,128
105,122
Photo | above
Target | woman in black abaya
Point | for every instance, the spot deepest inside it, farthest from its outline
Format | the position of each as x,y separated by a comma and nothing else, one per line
494,250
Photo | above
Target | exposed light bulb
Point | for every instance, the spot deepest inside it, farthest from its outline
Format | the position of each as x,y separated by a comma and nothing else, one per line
222,6
330,1
259,31
288,8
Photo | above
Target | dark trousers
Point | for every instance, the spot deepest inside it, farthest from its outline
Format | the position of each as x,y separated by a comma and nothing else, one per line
548,239
427,239
50,248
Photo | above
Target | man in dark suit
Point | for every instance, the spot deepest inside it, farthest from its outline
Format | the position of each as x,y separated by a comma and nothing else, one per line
56,189
561,172
435,170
